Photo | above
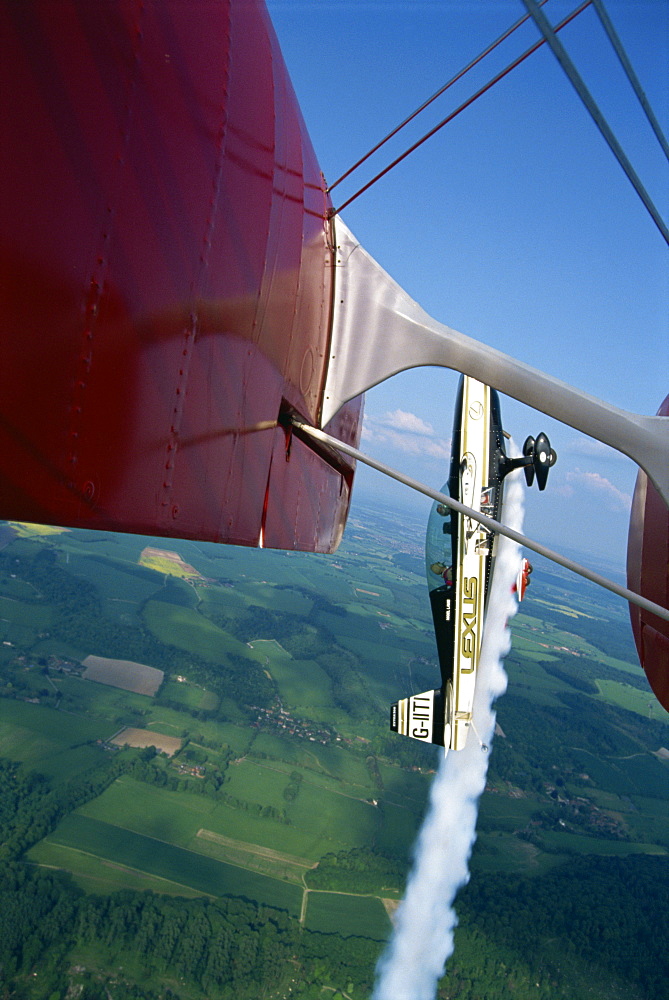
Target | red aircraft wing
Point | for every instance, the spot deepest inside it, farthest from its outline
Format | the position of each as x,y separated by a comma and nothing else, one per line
166,279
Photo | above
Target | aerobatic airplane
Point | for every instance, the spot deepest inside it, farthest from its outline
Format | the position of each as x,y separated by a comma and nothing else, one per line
460,559
188,326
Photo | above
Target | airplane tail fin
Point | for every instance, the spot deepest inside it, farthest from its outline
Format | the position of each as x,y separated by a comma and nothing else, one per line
422,717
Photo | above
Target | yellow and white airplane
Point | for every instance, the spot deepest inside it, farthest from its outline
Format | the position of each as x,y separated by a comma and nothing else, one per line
460,559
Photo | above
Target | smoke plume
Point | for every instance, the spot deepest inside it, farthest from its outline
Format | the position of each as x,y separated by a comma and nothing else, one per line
422,938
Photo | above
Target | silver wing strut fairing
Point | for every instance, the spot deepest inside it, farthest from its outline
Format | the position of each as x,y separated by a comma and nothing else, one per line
378,331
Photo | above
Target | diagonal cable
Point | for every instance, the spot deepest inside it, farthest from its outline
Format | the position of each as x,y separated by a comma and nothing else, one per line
499,76
488,522
579,86
631,75
430,100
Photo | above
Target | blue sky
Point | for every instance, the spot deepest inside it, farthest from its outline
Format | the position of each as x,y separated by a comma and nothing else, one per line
515,225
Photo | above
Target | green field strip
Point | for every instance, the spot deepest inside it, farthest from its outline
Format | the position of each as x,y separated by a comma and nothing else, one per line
56,647
151,811
310,772
240,824
649,828
398,826
561,608
32,615
214,596
175,723
622,665
648,775
606,800
347,914
93,699
376,653
63,728
529,628
22,590
651,806
339,819
253,857
505,812
114,578
276,597
176,817
527,676
191,696
533,649
21,743
63,764
575,843
332,760
155,857
642,702
96,875
505,852
191,632
259,783
302,684
404,788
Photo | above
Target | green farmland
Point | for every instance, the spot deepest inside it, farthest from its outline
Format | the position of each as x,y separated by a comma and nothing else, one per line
179,866
278,673
48,741
358,916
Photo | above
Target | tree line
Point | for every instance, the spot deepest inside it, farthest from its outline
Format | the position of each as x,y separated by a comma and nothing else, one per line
218,949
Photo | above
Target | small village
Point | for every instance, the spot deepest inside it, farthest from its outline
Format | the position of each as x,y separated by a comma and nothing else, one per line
277,719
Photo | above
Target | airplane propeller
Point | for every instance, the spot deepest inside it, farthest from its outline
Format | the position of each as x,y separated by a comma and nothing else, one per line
542,458
537,458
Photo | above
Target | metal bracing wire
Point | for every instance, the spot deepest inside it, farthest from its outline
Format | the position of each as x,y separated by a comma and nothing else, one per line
430,100
487,522
577,82
479,93
631,75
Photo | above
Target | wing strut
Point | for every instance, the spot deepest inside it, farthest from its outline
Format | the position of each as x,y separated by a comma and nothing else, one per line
378,331
313,433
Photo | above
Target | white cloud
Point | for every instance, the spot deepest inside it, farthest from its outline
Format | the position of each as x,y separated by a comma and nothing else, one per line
407,433
601,487
401,420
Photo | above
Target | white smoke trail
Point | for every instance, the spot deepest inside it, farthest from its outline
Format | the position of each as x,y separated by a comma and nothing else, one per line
422,939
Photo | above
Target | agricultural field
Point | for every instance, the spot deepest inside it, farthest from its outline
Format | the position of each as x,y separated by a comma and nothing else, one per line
125,674
48,741
632,699
160,859
167,562
254,857
190,631
331,912
267,779
303,685
130,737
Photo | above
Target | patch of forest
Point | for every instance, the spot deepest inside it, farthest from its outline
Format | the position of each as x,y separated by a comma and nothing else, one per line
609,912
548,742
223,948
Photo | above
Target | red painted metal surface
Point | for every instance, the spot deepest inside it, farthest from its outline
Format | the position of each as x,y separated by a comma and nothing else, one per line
165,276
648,574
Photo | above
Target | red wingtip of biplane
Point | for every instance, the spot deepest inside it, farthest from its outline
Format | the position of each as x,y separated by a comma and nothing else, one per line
648,574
